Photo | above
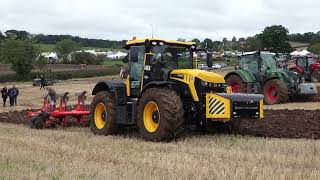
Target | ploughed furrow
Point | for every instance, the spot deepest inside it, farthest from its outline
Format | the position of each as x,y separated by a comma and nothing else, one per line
277,123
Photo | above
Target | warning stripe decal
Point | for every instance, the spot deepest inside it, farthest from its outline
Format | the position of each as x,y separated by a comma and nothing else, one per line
216,106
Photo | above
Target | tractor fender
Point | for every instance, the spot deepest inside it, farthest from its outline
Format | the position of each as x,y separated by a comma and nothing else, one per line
296,68
244,75
168,84
268,79
107,86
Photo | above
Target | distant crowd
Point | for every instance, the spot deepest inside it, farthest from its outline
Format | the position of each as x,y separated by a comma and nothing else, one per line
11,93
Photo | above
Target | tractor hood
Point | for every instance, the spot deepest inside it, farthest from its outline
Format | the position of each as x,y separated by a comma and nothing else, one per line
315,66
286,75
203,75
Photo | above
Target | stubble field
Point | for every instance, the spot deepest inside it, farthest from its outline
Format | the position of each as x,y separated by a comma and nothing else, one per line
75,153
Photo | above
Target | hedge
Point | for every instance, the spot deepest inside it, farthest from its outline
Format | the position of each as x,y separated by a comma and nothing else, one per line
62,75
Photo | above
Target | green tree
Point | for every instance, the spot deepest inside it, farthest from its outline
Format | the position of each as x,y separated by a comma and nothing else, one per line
41,63
234,39
207,43
65,47
275,38
253,44
100,59
2,37
197,41
217,45
21,54
82,58
315,48
14,34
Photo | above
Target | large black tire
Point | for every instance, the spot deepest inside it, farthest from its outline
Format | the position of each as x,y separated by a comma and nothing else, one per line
236,83
103,113
169,114
315,76
275,92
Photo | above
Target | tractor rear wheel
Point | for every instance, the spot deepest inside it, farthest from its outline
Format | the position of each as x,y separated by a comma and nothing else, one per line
160,114
103,113
236,83
315,76
275,91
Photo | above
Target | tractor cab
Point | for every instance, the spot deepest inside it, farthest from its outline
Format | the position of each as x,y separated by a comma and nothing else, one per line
308,68
153,60
258,64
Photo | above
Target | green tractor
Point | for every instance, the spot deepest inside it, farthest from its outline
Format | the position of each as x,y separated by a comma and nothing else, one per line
258,73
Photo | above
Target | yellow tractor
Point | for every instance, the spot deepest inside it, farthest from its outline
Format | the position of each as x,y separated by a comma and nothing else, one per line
163,93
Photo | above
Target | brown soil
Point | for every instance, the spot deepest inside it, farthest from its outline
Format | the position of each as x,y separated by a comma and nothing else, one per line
283,124
277,123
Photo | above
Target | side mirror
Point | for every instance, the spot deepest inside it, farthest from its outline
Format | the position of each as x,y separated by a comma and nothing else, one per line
209,60
125,59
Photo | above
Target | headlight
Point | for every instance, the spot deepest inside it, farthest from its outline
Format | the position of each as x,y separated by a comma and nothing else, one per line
204,83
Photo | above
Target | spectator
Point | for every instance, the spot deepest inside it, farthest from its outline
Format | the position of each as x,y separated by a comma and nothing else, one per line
42,82
122,72
52,94
11,96
16,94
4,93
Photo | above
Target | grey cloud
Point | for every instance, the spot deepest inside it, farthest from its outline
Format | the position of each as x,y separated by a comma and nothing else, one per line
122,19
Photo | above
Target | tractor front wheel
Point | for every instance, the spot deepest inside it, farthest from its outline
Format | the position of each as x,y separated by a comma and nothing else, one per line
236,83
275,91
160,114
103,113
315,76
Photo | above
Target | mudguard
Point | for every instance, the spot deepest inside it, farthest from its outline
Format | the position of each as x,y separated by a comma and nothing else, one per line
246,76
158,84
107,86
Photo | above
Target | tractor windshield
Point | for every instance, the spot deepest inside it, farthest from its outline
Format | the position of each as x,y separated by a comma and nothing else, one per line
311,61
173,57
269,61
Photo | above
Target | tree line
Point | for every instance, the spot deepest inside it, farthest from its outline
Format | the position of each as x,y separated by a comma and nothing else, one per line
17,47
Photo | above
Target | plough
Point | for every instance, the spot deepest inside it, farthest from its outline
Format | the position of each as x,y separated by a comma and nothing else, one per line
49,116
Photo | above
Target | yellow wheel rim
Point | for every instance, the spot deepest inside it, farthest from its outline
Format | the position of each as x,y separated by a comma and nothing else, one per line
100,115
151,117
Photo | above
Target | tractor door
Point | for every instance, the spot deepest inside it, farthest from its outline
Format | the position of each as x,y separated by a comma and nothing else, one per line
250,63
302,63
136,64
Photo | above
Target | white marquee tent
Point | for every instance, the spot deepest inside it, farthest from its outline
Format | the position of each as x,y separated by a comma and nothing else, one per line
300,53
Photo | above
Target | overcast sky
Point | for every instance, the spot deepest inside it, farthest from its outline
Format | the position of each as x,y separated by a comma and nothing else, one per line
170,19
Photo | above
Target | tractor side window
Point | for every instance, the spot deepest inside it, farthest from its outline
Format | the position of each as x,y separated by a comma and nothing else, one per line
136,57
311,61
302,62
249,63
268,61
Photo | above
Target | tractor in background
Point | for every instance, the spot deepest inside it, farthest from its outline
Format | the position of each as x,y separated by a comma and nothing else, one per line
164,92
307,67
258,73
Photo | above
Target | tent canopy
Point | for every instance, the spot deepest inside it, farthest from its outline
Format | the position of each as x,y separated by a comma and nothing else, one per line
300,53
